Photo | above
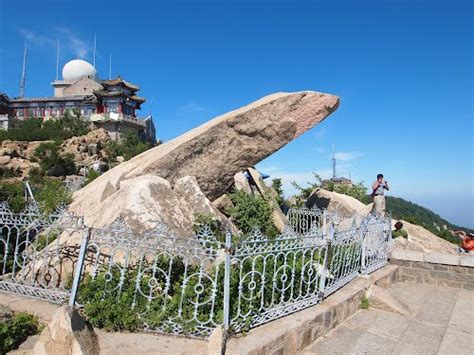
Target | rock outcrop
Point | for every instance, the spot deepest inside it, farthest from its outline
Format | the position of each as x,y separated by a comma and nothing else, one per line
147,201
352,211
345,206
217,150
67,333
88,148
421,239
17,157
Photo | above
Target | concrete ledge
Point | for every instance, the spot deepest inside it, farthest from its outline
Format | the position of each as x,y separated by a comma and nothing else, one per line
433,258
294,332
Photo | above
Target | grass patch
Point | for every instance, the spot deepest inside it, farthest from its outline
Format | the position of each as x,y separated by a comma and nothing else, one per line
364,303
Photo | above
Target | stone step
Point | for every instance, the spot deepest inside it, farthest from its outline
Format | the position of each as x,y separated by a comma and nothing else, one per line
382,299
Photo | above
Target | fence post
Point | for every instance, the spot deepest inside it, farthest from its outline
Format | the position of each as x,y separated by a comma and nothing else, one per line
325,270
79,266
228,247
364,248
325,231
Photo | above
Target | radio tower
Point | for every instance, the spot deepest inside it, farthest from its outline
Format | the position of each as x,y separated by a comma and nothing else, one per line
23,73
333,163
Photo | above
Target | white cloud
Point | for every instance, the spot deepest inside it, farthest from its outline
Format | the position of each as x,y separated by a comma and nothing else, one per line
320,133
75,44
320,150
347,156
35,38
191,107
69,40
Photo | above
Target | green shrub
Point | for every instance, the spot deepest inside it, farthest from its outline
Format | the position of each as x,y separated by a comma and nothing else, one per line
14,194
129,146
52,194
364,303
251,212
204,219
52,162
6,173
48,192
34,129
278,187
358,191
91,176
14,331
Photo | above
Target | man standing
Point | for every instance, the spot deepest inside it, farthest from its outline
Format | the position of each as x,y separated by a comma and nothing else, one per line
378,188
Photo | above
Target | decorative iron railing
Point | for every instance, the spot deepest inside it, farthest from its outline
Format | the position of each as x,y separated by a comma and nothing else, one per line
187,286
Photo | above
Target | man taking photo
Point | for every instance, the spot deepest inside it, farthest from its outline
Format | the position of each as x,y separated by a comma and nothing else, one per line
378,188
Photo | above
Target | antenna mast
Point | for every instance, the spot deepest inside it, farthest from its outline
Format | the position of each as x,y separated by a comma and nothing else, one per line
23,73
151,106
333,163
95,48
57,60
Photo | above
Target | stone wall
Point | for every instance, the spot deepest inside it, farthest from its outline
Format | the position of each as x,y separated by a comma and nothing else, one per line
435,269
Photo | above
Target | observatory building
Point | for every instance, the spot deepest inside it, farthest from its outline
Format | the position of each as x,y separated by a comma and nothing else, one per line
109,104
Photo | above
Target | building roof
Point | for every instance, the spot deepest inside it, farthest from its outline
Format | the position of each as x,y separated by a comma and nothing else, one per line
89,98
138,99
4,97
118,81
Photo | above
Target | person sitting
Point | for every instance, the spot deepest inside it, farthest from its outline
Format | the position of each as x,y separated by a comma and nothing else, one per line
399,231
467,241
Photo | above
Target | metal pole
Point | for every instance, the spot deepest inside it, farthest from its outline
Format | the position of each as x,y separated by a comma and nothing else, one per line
228,246
364,247
80,264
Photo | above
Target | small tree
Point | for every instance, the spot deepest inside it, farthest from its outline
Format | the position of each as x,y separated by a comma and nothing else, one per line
277,186
358,191
251,212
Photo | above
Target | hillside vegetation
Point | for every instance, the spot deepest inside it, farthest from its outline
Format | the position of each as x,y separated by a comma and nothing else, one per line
400,208
397,207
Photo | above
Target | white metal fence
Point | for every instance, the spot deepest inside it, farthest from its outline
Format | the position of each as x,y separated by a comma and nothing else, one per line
186,285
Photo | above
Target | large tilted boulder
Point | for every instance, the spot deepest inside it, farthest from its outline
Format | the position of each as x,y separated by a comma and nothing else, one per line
216,150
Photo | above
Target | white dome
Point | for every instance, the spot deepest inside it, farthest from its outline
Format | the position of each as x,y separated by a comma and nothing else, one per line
78,68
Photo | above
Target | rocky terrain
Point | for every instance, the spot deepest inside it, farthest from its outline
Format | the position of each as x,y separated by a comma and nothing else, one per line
18,156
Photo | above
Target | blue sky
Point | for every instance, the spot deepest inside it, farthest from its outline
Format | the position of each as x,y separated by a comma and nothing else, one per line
403,71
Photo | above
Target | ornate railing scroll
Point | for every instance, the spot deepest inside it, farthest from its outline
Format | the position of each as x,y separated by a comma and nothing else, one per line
173,285
274,277
307,221
38,252
188,285
377,242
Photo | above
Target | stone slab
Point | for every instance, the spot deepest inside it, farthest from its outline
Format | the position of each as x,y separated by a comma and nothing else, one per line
42,309
456,342
404,254
466,260
440,258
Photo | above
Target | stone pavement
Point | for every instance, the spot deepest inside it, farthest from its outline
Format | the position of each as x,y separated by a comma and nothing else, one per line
442,322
